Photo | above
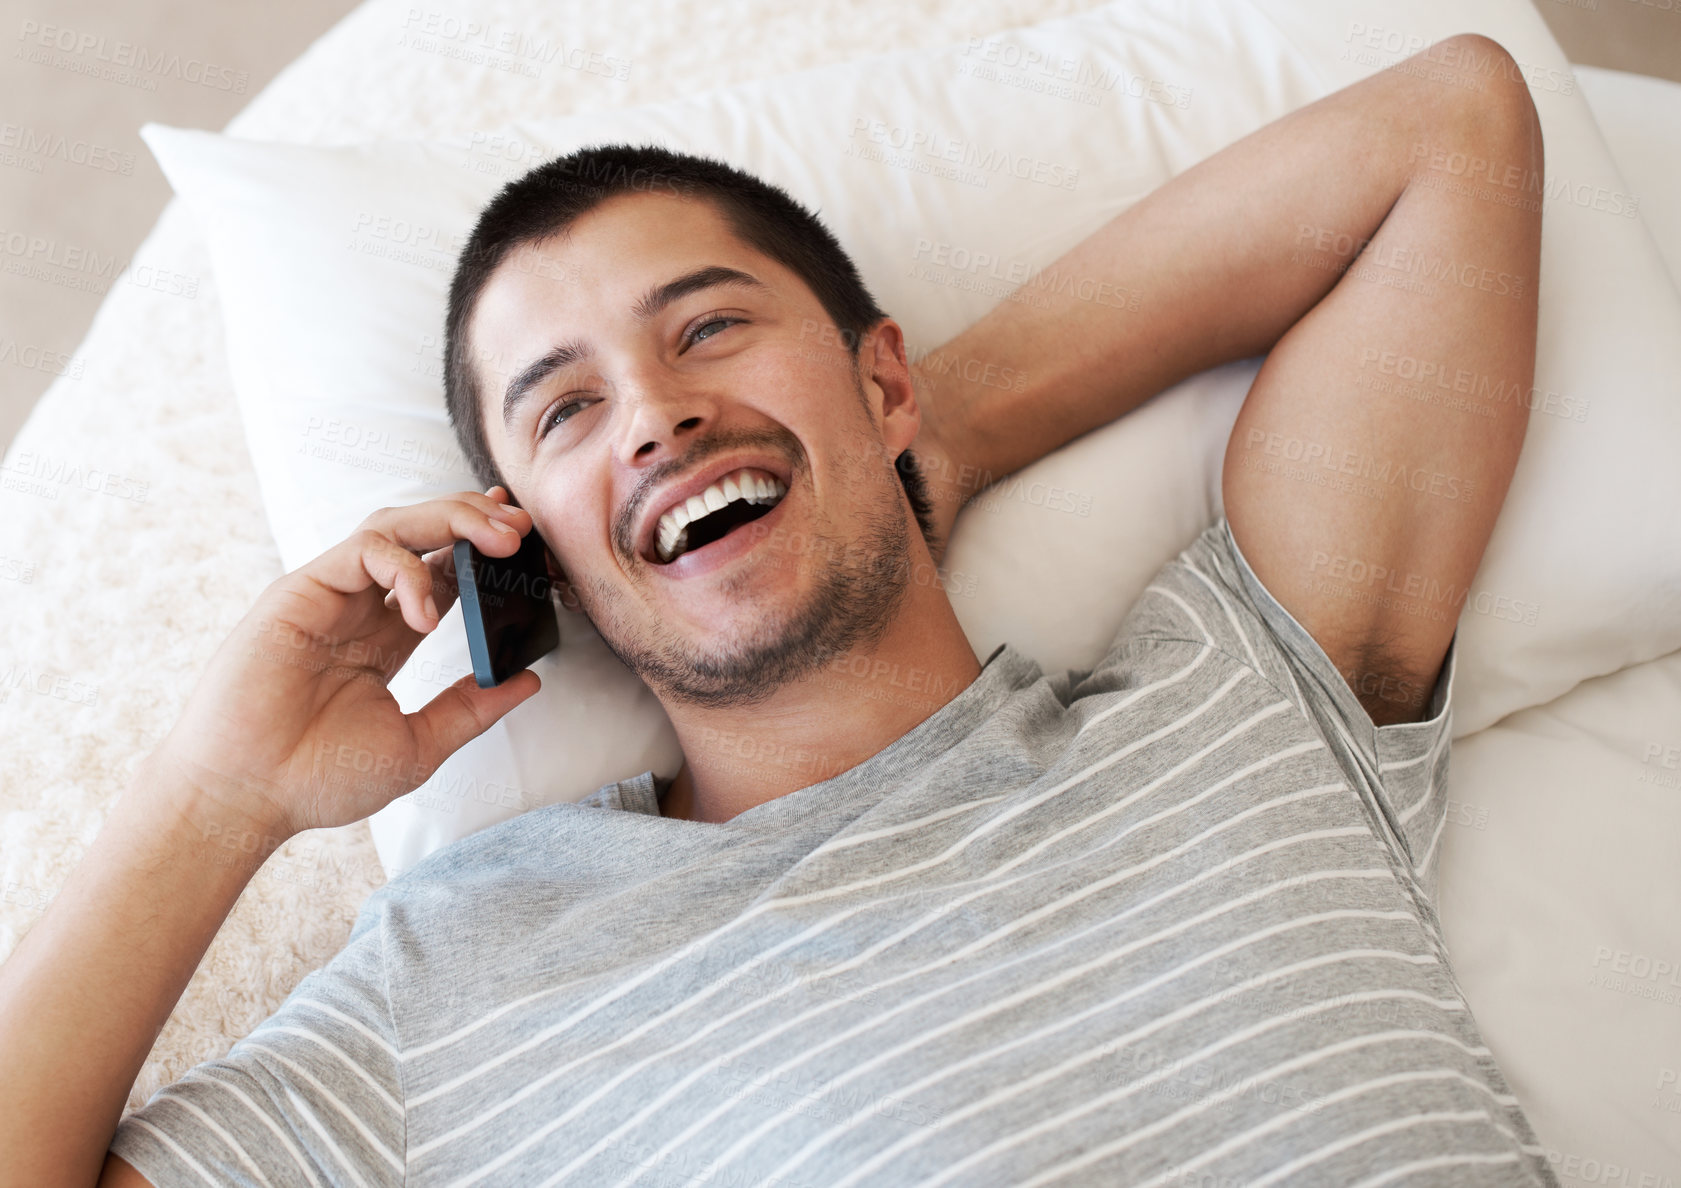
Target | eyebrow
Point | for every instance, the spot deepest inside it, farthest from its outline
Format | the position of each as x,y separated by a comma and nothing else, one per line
653,301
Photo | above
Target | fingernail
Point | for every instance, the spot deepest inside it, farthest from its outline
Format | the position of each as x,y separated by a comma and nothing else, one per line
507,507
431,606
501,527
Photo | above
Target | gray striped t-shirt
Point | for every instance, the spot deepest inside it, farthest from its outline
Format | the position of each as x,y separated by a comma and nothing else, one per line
1166,922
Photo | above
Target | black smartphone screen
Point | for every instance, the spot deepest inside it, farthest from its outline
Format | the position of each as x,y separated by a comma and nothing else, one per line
507,607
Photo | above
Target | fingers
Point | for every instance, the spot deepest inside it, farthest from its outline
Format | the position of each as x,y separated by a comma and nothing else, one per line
407,577
444,589
386,550
464,711
439,523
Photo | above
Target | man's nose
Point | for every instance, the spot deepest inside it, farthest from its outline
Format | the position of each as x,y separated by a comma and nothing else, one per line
668,412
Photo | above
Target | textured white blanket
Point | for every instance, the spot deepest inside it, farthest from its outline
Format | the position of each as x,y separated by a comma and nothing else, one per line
132,538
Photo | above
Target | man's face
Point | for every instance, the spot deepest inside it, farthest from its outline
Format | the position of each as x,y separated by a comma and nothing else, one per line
652,398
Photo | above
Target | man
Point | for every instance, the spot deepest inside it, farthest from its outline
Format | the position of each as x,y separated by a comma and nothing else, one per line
1168,921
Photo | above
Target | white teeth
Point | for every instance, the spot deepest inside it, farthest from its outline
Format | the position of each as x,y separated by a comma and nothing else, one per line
671,535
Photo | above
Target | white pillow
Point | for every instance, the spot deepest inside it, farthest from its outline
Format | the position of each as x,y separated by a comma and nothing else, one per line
333,265
1558,898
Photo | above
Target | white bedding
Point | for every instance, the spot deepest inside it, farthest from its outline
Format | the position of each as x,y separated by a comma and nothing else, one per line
120,585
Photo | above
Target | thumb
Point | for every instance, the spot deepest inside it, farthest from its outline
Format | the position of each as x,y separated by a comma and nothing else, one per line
464,711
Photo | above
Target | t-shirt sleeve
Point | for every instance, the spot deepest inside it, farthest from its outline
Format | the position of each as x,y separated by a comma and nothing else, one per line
1210,595
313,1096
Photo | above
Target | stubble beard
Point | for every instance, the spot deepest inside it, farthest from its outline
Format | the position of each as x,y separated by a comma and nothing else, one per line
860,588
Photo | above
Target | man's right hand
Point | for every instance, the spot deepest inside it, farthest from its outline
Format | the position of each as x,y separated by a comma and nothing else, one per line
291,726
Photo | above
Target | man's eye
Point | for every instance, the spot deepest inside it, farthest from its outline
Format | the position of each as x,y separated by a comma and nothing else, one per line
695,335
560,413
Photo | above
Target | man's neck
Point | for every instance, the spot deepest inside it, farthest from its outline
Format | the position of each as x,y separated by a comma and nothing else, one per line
851,708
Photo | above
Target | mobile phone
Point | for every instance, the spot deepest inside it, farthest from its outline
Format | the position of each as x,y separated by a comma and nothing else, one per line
508,607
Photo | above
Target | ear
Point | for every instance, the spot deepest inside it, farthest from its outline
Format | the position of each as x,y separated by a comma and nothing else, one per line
886,377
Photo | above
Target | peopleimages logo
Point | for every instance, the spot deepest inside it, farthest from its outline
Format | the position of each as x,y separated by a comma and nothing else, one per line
1639,975
1063,77
1585,1169
45,474
908,147
67,49
39,144
45,683
510,50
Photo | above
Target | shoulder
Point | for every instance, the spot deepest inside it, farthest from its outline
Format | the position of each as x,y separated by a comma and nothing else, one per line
1201,597
507,852
541,861
1205,609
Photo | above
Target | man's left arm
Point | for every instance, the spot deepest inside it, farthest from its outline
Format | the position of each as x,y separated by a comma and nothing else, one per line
1398,303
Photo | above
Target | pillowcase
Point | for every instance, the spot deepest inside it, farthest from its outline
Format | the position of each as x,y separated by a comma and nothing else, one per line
946,174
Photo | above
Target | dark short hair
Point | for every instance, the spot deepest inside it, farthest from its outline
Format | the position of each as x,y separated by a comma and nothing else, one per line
545,201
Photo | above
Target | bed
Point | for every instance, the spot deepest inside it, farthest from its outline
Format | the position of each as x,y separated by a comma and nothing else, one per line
133,538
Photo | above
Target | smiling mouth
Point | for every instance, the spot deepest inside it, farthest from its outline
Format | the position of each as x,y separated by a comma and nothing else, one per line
732,502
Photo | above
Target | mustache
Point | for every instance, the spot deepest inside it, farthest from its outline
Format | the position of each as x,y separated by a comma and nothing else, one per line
778,441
